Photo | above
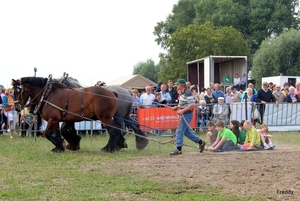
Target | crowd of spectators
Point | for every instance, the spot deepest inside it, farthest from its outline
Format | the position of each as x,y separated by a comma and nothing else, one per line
213,103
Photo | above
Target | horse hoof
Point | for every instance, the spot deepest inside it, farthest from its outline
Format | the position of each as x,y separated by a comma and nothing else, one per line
141,143
72,147
107,149
57,150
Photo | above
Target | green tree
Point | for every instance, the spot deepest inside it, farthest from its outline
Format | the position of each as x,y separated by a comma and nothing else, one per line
147,69
197,41
183,14
255,19
278,55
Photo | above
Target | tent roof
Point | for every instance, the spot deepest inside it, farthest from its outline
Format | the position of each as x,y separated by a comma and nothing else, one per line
133,82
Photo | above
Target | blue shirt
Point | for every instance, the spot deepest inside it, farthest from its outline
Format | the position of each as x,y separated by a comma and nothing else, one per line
217,94
166,95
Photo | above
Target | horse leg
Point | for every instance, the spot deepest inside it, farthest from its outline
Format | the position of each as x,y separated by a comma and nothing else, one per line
116,139
141,140
53,135
68,131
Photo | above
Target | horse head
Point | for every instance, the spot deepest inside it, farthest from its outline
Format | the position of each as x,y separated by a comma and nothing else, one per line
17,93
32,88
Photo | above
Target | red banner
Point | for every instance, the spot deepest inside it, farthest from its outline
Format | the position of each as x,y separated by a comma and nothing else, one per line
160,118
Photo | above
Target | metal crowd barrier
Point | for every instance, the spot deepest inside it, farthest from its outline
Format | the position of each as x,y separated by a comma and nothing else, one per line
284,117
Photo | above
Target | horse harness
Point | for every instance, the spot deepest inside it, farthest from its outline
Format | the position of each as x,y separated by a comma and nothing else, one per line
45,95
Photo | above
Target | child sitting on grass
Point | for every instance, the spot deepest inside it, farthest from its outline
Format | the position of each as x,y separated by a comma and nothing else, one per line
226,140
211,133
243,132
234,126
252,137
265,138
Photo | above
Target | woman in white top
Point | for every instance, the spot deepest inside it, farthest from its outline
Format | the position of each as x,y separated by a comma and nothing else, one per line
236,81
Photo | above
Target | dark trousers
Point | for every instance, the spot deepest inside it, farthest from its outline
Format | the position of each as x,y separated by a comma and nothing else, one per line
261,109
24,127
228,146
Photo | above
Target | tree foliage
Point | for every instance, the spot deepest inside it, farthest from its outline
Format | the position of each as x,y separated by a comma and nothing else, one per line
197,41
255,19
147,69
278,55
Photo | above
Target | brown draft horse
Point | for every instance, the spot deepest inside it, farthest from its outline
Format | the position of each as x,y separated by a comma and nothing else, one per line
56,102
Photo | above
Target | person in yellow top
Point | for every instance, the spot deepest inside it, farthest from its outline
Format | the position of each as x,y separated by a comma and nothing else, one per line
27,120
252,137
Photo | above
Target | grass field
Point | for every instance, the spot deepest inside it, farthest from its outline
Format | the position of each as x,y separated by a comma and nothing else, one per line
29,171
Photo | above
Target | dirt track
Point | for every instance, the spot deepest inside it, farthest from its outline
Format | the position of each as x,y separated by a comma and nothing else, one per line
267,173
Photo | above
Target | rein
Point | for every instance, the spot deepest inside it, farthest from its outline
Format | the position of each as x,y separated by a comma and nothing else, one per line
47,87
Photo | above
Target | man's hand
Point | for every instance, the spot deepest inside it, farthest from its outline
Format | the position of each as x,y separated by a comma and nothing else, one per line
175,108
180,112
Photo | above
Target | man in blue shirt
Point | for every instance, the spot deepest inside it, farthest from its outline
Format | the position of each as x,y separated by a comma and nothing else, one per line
217,92
165,96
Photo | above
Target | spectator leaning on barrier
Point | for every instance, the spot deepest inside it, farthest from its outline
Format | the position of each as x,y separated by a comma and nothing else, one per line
173,92
277,93
292,97
285,89
250,85
185,110
236,94
165,96
147,98
264,95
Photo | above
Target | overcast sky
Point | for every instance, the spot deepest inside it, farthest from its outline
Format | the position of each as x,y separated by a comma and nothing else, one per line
91,40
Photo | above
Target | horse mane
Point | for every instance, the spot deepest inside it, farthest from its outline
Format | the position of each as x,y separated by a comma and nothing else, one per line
41,82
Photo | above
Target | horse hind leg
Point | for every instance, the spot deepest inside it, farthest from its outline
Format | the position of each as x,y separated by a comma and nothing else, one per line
55,137
69,133
116,139
140,139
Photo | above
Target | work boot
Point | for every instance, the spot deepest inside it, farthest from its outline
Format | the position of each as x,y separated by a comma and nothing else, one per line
202,146
176,152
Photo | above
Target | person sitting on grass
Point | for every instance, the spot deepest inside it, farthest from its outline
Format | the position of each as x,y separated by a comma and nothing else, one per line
252,137
234,126
226,140
243,132
211,133
266,139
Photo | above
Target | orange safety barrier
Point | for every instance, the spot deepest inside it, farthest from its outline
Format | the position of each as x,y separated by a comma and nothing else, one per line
160,118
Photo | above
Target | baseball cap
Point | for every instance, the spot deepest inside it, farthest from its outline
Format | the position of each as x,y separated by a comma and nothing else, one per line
181,81
265,83
222,98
